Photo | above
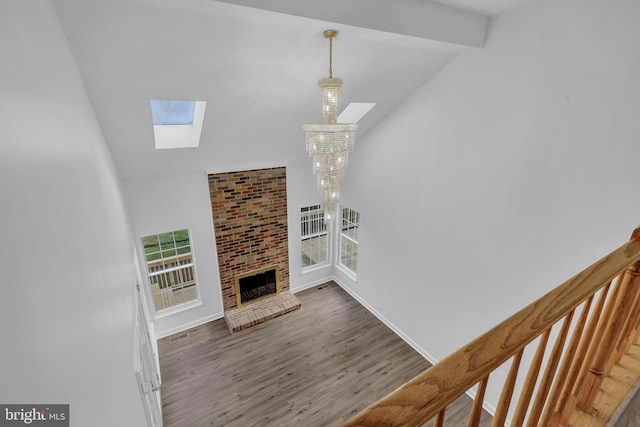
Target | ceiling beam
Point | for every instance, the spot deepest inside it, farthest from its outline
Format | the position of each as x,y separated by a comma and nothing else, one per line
417,18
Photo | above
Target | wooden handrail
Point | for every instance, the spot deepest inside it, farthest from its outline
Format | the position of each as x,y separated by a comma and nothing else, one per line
427,395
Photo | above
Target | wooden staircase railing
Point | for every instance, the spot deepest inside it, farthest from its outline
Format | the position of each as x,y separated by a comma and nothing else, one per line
595,317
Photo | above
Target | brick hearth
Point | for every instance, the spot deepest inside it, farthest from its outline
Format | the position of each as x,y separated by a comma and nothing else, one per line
260,311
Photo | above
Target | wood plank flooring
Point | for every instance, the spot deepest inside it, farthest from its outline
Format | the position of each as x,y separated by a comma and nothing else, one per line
316,366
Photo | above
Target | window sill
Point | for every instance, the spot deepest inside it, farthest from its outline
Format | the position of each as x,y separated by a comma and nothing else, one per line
177,309
350,274
313,268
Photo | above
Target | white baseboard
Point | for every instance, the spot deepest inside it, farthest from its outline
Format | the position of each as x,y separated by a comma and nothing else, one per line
189,325
387,322
471,393
220,315
311,284
487,406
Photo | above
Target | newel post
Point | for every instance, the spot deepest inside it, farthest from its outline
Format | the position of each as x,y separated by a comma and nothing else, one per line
615,326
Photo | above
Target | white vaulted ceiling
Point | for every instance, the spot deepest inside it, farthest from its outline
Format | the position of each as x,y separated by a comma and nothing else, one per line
257,69
485,7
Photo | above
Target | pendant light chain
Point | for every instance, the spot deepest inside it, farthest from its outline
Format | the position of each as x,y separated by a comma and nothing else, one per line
330,57
330,34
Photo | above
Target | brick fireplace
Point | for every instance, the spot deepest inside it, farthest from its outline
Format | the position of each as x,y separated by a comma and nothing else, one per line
256,285
249,210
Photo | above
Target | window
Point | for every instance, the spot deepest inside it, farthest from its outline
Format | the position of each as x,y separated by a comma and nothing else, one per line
349,239
165,112
171,269
177,124
315,240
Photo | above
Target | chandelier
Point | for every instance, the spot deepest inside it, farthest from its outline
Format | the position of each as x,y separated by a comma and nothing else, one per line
329,142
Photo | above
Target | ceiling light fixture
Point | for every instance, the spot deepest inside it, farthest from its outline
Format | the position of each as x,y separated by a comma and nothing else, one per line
329,142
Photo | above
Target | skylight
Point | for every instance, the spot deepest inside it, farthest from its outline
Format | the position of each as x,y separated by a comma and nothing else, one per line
166,112
354,111
177,124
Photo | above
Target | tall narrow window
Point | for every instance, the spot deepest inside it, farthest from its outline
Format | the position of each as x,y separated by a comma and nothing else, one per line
349,239
171,269
315,240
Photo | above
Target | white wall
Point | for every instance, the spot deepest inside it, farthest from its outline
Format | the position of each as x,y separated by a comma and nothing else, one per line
158,204
67,301
173,202
510,171
301,192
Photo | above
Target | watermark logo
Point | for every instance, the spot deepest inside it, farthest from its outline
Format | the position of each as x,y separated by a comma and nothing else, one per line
34,415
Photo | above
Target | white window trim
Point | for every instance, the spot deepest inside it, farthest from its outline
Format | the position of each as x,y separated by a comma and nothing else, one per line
315,267
169,270
327,262
347,272
181,136
309,236
349,238
169,311
353,275
146,275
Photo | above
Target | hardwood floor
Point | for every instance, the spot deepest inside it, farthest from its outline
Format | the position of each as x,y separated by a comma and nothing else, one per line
316,366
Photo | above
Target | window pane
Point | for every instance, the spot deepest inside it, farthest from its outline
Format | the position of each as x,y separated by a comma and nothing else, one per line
323,248
349,239
181,238
169,112
166,241
183,250
151,247
314,245
169,253
306,258
354,232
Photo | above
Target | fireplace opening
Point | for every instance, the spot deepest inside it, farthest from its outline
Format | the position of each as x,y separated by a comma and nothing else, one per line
257,284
